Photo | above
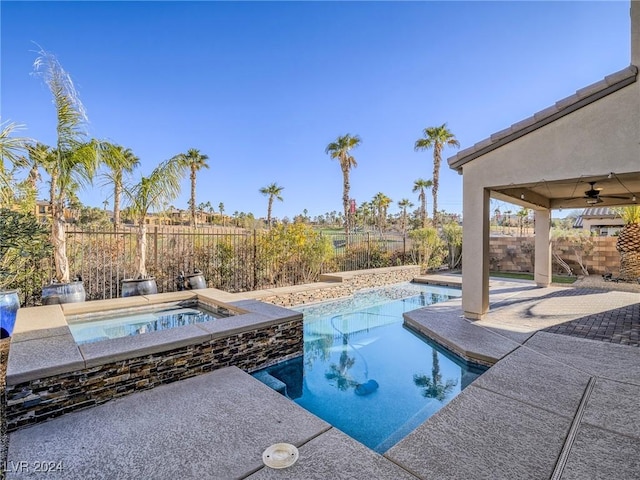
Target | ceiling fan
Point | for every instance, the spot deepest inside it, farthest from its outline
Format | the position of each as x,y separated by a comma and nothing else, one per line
593,197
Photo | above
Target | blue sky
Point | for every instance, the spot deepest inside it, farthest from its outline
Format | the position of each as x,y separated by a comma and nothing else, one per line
263,87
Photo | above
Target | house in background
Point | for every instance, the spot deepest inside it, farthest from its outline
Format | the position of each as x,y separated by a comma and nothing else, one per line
42,211
600,221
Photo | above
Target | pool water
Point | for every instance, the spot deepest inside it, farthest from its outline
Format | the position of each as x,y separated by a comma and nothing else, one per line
365,373
90,328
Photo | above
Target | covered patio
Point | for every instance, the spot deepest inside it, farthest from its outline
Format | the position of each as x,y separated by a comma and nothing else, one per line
582,151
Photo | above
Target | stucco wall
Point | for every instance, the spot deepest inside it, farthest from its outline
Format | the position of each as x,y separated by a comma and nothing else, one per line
579,144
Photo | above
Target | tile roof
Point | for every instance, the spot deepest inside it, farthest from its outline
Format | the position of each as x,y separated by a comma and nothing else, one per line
598,212
594,212
578,222
581,98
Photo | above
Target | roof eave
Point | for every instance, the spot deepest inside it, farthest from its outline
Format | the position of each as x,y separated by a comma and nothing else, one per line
580,99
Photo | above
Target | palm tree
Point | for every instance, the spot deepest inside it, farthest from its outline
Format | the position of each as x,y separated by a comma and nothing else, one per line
420,185
221,208
34,173
381,202
272,191
432,387
195,161
522,214
340,372
74,160
152,192
10,149
120,160
365,211
29,187
436,138
404,204
628,243
340,149
74,205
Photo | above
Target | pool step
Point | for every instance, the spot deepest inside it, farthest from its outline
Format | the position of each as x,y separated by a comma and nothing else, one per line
271,381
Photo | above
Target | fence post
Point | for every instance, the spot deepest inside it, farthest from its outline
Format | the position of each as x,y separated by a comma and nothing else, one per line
155,248
368,249
404,249
255,259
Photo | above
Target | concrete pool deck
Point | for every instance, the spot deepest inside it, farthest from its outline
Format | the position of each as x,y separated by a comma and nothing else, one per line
552,406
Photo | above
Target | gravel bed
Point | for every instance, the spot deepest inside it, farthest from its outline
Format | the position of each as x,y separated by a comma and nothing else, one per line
596,281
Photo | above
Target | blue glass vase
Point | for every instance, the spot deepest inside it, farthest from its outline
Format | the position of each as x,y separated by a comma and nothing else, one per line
9,304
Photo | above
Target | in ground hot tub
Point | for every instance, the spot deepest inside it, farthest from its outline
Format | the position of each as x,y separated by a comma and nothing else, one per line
95,327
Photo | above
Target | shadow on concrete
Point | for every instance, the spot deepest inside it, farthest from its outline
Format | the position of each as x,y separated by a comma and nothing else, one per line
517,300
618,325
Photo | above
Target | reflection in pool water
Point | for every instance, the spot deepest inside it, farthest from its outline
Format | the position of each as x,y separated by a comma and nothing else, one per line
365,373
97,327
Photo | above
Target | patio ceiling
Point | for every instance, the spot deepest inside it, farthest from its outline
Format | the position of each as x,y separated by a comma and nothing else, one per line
609,189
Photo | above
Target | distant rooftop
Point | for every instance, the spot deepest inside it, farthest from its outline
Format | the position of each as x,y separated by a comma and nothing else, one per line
594,212
598,212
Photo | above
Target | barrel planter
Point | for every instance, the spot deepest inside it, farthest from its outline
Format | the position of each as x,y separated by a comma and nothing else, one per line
132,287
192,281
195,281
9,304
55,293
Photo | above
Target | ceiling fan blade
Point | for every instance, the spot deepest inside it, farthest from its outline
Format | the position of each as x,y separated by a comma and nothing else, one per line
617,197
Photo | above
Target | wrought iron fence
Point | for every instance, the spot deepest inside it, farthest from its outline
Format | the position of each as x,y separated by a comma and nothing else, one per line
232,260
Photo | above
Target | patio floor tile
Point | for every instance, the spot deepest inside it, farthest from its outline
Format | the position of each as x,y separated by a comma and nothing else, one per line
484,435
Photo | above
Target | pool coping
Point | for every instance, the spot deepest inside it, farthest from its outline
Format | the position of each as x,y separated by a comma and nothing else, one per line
42,344
505,426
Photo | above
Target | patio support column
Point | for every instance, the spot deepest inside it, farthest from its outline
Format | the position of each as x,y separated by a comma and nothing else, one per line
475,250
542,268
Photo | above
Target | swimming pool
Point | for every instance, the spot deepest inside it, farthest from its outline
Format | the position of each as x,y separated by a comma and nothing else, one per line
95,327
364,372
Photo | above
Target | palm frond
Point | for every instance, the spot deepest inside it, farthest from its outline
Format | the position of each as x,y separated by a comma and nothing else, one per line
11,148
629,215
160,187
70,112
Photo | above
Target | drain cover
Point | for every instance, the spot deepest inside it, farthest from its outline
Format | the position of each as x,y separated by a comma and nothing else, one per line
280,455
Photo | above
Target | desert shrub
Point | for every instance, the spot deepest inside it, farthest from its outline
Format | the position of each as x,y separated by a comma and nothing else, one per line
294,253
93,217
363,256
571,247
428,249
452,235
24,244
